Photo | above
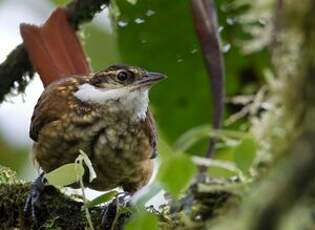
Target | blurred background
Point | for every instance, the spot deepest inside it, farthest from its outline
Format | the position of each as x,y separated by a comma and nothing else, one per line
157,35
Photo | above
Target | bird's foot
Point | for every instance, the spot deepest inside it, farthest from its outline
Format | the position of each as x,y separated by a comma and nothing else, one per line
117,212
33,199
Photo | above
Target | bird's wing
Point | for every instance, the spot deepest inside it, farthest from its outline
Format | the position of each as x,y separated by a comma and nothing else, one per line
151,132
51,106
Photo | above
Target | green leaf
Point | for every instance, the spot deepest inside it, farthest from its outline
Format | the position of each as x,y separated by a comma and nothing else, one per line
217,168
175,173
164,149
101,199
84,158
142,221
221,172
60,2
191,137
100,45
186,91
65,174
114,9
132,2
245,153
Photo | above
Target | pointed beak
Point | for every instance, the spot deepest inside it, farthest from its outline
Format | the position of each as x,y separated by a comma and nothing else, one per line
150,78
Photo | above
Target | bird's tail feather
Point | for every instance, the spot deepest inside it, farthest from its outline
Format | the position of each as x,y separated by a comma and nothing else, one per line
54,48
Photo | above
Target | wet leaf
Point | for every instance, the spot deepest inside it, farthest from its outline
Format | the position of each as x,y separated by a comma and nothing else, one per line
175,173
102,199
245,153
65,175
142,221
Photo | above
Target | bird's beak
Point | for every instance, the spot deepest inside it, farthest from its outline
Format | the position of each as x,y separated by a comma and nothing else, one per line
149,79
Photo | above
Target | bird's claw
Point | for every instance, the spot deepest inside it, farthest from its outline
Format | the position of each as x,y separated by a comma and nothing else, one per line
114,210
33,199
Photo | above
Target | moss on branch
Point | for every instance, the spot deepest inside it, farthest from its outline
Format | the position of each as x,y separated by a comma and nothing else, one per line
56,211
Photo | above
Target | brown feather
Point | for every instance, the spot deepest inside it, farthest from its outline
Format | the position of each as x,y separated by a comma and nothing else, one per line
54,102
54,48
151,132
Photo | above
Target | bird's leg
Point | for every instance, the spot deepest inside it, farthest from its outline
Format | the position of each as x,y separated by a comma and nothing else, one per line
32,201
117,211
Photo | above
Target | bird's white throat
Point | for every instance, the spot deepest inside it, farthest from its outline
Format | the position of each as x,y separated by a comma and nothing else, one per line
135,101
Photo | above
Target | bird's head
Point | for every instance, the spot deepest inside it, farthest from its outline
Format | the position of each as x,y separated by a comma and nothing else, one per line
122,86
127,77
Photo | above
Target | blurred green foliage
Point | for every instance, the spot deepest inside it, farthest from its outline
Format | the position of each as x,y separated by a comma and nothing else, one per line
159,35
60,2
100,45
142,221
245,153
176,173
13,156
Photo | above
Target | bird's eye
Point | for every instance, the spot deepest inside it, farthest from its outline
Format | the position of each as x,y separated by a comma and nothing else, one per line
123,75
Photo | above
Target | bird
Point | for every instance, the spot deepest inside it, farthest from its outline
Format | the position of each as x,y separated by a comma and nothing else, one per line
105,114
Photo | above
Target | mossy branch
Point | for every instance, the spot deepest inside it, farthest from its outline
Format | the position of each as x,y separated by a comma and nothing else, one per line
56,211
15,69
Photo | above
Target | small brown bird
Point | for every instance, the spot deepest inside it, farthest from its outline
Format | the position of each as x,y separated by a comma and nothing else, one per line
105,114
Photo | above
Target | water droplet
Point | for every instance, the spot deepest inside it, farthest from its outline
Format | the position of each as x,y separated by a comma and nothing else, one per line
193,51
139,20
122,23
226,7
220,29
14,91
262,21
150,13
26,78
231,21
226,48
16,84
179,60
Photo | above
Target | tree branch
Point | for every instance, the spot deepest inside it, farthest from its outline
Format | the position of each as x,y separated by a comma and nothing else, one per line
17,65
55,210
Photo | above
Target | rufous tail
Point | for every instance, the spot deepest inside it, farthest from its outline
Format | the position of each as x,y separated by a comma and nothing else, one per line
54,48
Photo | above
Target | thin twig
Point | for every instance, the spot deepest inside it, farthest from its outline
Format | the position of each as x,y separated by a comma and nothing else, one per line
80,160
86,209
205,21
